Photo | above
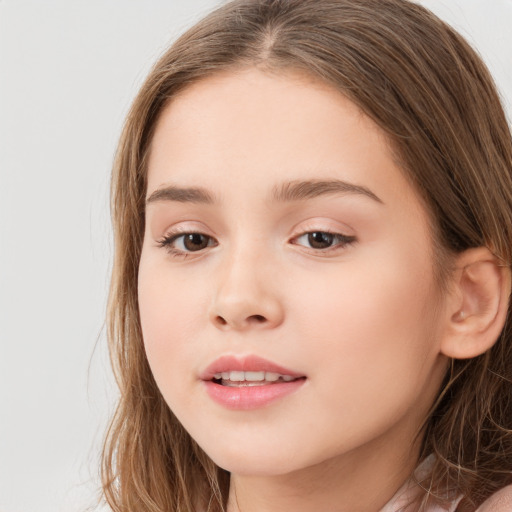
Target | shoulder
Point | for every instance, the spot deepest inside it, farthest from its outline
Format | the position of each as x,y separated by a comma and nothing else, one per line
501,501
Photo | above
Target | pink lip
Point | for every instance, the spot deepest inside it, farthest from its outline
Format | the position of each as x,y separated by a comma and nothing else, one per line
248,397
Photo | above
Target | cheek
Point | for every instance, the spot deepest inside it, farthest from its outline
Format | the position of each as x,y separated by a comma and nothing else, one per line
375,327
169,314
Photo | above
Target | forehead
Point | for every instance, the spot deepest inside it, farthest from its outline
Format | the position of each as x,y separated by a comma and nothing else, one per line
249,130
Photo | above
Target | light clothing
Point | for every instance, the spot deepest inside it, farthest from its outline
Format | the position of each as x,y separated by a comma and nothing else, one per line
498,502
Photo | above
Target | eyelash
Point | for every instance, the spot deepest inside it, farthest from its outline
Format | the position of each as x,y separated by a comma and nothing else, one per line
167,242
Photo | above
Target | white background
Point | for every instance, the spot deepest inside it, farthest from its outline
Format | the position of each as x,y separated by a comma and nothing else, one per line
68,71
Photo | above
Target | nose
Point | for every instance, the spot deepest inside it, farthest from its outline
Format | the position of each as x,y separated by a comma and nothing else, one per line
247,296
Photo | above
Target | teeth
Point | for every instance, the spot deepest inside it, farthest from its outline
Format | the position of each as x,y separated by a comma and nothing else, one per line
254,376
238,376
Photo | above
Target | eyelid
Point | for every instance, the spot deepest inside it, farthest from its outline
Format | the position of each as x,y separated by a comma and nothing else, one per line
184,228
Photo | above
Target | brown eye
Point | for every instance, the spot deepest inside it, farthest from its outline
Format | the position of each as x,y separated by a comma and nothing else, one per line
195,241
184,244
323,240
320,240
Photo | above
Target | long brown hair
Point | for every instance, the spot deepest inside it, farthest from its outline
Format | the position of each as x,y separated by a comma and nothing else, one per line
434,98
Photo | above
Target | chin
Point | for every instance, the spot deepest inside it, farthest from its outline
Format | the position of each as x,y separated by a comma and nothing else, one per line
258,462
260,467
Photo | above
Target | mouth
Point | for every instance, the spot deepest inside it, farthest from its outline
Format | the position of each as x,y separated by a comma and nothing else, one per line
247,370
249,382
251,378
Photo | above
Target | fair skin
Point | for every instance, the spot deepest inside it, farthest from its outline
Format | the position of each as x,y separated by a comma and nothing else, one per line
356,314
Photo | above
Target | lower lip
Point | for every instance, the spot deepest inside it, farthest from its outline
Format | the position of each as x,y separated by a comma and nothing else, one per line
250,397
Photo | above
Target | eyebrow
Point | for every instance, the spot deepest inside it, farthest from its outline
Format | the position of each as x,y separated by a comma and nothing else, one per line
181,195
285,192
301,190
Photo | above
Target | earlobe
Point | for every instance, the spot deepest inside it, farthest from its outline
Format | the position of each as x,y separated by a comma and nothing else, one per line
477,305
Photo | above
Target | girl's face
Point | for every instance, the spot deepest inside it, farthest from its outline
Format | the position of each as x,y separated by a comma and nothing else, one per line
283,243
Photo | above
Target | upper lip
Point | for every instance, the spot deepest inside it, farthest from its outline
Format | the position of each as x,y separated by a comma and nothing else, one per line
249,363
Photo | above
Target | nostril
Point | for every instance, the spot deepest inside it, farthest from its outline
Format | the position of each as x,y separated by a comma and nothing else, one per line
221,320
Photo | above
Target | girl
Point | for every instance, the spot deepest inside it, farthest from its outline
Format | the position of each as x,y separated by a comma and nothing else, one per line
312,206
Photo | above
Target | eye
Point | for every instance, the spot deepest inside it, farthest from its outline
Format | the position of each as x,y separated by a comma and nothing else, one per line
323,240
182,244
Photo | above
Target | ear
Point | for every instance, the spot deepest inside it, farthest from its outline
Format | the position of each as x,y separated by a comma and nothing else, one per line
477,304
